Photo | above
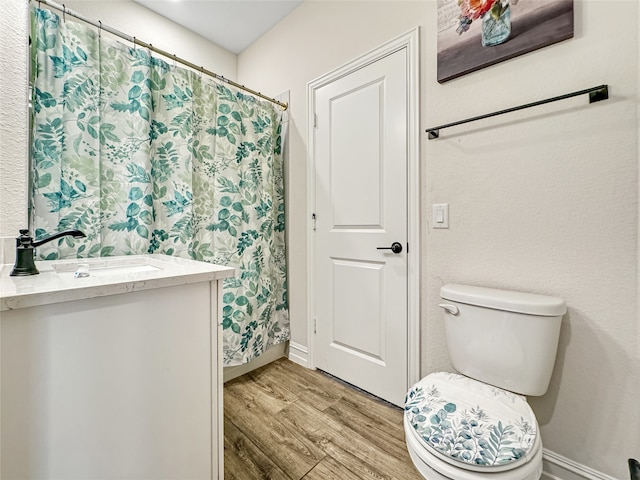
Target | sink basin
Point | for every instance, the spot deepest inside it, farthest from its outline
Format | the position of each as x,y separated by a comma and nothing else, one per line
104,268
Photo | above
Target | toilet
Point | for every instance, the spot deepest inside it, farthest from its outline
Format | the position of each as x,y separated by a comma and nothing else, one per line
477,424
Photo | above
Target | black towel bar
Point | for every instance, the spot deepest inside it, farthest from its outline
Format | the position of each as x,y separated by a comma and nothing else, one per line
596,94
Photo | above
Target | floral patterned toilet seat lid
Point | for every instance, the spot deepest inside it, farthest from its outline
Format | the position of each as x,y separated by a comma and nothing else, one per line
471,424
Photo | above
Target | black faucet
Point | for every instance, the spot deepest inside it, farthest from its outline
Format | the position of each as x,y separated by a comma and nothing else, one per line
25,249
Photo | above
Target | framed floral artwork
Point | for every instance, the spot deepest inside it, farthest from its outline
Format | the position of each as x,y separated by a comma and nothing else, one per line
474,34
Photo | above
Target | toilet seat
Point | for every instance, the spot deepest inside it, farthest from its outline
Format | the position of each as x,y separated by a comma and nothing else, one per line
470,425
432,468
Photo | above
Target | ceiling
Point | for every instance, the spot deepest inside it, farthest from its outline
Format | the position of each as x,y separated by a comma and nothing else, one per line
231,24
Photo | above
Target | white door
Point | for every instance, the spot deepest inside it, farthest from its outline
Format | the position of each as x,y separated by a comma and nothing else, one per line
360,207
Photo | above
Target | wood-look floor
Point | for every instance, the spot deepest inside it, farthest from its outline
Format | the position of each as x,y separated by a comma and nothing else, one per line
286,422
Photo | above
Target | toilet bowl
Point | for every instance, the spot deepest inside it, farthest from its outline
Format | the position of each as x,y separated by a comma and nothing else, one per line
478,425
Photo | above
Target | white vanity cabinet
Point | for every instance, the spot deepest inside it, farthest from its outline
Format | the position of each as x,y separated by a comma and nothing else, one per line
117,375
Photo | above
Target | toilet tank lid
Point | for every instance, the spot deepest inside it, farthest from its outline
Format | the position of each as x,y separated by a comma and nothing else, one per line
507,300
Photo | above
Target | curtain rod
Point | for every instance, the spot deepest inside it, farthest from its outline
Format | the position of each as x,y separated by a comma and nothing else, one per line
135,41
596,94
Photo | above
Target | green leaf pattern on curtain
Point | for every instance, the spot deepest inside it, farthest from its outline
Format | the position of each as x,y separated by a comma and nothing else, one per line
148,157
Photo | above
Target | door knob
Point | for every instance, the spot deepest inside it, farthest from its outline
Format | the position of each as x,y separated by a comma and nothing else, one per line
396,247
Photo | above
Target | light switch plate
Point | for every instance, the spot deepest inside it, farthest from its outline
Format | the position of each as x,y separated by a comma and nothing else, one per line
440,215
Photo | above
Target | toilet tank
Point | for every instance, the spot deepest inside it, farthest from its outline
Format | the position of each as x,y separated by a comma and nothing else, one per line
504,338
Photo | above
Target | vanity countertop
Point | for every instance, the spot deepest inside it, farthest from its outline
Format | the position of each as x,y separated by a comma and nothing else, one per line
107,276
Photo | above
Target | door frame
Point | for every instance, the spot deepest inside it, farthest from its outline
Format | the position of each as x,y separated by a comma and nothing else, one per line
410,42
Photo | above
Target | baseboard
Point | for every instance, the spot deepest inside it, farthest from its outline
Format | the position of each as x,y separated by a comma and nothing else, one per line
274,353
557,467
298,354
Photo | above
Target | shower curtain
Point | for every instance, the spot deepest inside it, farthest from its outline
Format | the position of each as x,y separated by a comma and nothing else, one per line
147,157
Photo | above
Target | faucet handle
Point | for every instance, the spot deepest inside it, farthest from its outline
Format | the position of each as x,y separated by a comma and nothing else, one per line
24,239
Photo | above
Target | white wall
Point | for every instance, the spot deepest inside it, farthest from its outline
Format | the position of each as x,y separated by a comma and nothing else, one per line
543,200
123,15
13,117
638,239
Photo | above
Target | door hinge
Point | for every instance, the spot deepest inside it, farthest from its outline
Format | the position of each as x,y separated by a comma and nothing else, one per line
315,320
315,120
313,219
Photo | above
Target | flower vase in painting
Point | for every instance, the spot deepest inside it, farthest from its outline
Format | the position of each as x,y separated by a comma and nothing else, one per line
496,25
495,15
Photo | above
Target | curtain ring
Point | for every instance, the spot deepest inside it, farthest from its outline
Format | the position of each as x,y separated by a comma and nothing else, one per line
134,44
174,59
64,11
100,29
